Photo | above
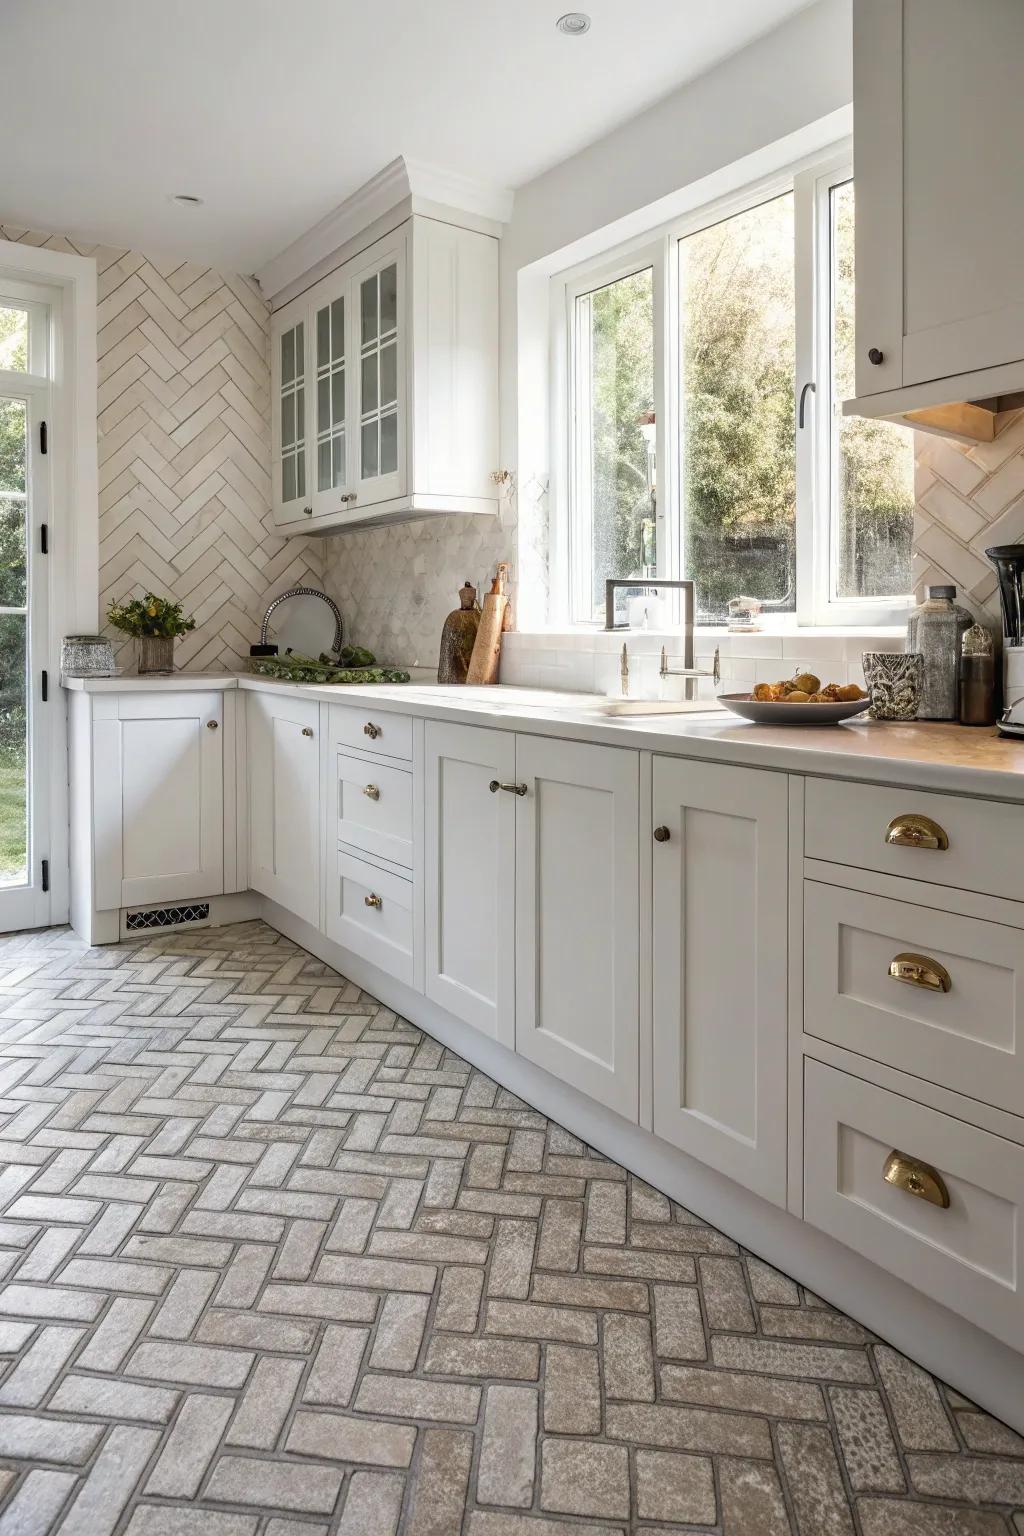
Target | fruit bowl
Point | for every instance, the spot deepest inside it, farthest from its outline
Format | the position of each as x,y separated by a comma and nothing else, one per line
779,712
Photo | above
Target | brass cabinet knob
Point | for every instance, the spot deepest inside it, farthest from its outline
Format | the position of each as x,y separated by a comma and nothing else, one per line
373,900
920,971
307,730
371,791
661,834
915,1178
914,831
211,725
511,789
371,730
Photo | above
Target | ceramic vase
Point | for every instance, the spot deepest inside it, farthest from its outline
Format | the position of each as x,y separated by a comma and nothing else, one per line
894,684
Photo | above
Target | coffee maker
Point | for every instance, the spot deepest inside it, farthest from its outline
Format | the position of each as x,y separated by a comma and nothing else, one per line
1008,560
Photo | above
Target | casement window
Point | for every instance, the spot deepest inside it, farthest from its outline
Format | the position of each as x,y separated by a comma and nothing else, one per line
704,374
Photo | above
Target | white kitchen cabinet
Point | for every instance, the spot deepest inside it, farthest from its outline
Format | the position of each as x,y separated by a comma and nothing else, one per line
469,875
720,968
284,801
940,216
158,798
578,916
385,383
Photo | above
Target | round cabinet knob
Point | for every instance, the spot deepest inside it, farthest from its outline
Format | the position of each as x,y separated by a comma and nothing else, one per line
661,834
373,900
371,791
876,355
307,730
371,730
308,511
211,725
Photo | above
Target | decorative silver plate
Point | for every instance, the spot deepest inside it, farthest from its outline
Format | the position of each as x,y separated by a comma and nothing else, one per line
303,619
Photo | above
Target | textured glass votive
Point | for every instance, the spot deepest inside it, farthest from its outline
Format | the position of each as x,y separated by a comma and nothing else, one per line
894,683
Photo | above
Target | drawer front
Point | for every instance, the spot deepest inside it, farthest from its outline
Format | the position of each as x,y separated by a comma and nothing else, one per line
847,824
969,1038
371,730
375,808
370,911
970,1255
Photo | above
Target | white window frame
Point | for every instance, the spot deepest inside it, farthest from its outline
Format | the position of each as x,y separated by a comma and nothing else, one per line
810,180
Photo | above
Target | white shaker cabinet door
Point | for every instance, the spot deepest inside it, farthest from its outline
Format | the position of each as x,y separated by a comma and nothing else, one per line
284,801
720,977
469,875
159,831
578,916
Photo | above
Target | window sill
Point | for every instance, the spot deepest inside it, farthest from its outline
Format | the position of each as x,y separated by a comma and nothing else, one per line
587,639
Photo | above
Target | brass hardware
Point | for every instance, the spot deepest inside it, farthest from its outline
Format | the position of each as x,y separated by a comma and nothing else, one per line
512,789
373,900
371,791
914,831
661,834
920,971
371,730
915,1178
349,497
211,725
307,730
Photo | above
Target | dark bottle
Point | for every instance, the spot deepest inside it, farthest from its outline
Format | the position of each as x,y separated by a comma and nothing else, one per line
977,678
458,637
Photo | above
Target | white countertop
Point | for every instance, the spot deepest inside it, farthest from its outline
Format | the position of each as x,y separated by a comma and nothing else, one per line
930,755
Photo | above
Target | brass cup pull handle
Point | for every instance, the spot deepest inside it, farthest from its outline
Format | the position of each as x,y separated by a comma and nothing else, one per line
373,900
512,789
307,730
914,831
371,730
211,725
915,1178
920,971
371,791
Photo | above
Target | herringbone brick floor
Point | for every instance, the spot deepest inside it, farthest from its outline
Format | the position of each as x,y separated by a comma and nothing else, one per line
276,1262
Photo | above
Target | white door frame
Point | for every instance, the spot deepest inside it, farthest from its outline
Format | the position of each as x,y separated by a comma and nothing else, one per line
73,562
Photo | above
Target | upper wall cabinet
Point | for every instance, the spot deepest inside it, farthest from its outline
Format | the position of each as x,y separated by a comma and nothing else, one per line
385,383
940,210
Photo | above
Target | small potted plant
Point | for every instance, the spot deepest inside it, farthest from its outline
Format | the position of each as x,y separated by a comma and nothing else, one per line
156,623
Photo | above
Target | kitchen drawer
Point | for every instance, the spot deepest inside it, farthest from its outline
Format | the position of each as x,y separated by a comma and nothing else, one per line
969,1039
370,911
376,731
375,807
846,823
969,1256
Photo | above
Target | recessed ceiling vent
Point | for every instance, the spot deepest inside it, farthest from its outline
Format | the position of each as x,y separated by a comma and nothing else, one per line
573,23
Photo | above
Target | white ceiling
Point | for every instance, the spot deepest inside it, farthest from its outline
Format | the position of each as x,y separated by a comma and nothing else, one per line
274,111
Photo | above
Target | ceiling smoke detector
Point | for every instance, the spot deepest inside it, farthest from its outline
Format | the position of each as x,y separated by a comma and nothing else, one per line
573,23
186,200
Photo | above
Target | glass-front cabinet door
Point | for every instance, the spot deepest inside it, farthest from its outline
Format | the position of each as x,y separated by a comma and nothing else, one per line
291,489
330,350
378,296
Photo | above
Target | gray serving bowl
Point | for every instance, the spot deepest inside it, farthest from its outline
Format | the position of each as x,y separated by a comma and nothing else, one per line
772,712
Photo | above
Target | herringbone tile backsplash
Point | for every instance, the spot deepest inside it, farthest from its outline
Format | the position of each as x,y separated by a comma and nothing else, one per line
184,449
968,498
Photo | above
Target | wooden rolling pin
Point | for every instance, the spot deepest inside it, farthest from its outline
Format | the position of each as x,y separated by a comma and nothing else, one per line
483,664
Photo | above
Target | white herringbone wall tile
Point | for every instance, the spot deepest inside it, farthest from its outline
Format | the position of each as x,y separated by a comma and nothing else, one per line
967,499
184,448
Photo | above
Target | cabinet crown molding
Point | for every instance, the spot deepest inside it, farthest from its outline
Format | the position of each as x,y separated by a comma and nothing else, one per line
406,181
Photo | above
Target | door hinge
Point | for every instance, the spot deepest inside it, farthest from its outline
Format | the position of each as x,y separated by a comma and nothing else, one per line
43,437
46,874
45,685
44,538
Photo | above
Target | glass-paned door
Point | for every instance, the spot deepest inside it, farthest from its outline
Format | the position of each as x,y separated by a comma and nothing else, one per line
331,406
381,414
24,758
291,405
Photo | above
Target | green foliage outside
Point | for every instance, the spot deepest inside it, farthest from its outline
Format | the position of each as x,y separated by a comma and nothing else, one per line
13,356
737,455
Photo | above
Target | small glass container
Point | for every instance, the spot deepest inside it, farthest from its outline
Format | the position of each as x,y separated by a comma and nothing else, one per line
86,656
977,678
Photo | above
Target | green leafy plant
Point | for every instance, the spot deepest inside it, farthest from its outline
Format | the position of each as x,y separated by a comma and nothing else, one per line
150,615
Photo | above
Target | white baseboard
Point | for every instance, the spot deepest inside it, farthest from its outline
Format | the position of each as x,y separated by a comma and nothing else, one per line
961,1354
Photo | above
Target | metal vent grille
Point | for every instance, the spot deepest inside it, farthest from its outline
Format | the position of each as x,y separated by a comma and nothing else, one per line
168,917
